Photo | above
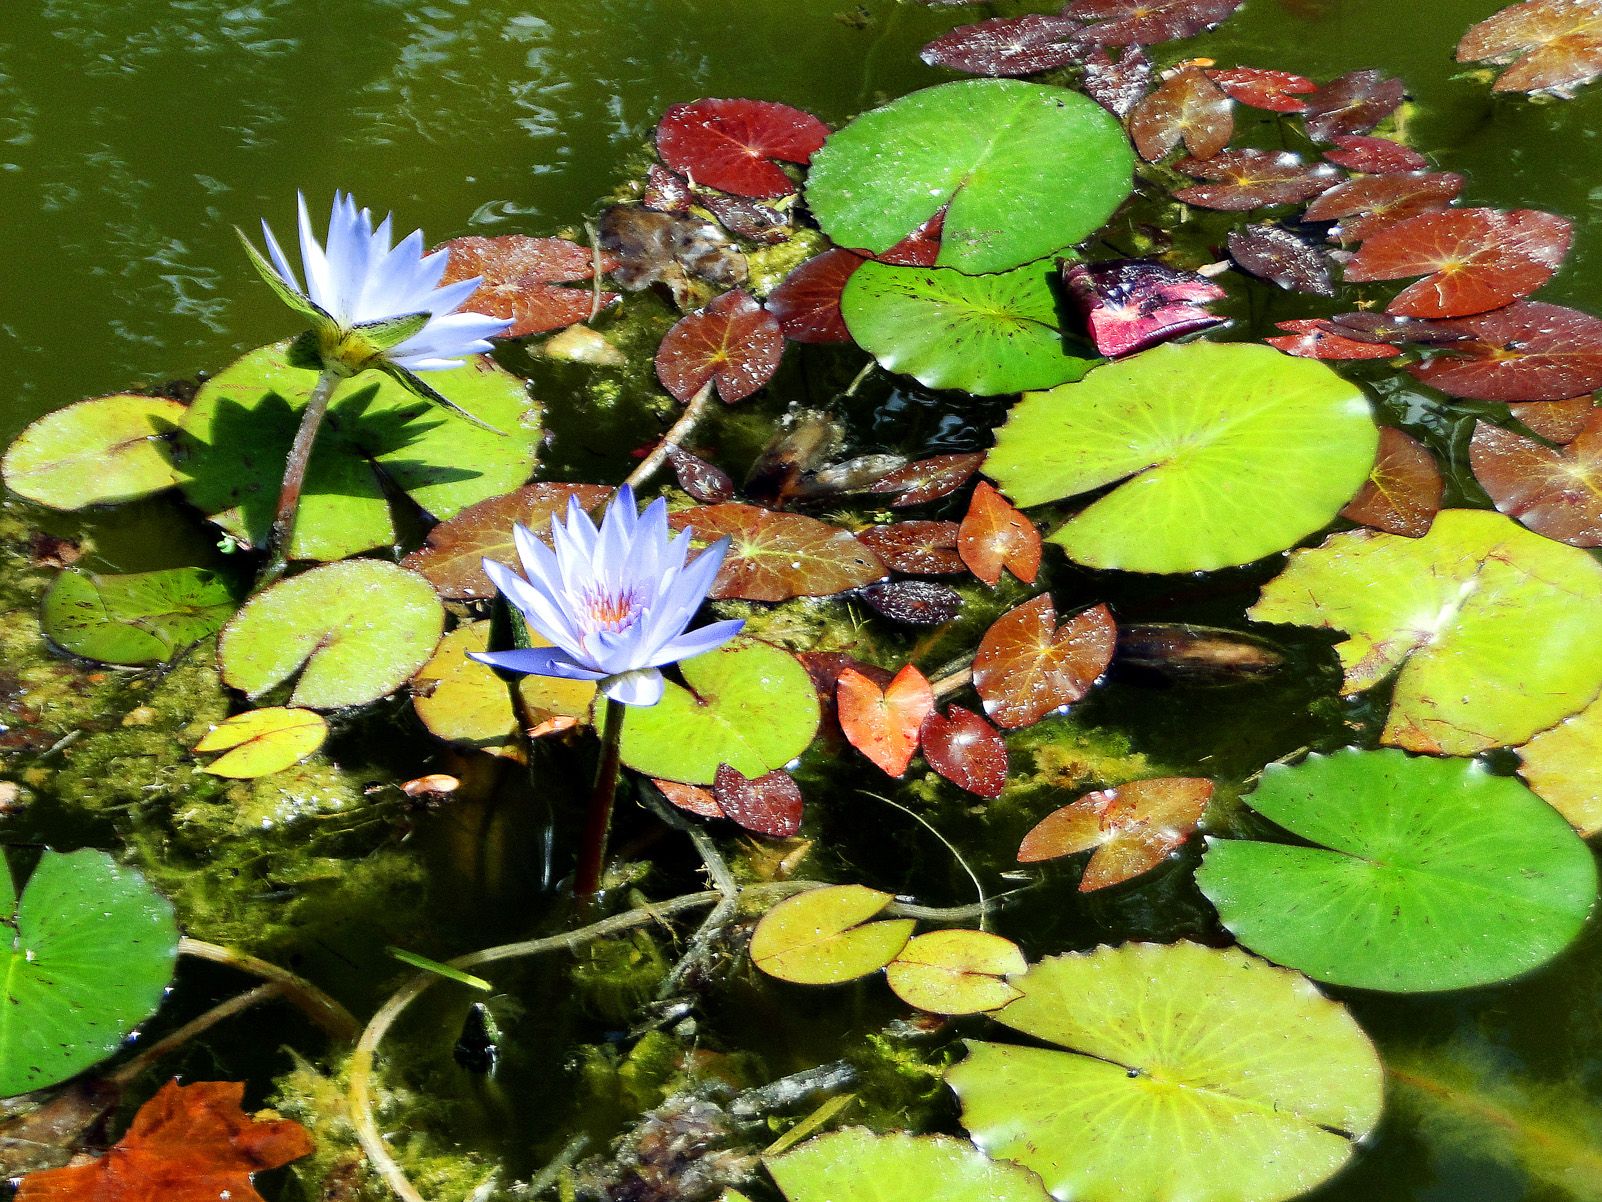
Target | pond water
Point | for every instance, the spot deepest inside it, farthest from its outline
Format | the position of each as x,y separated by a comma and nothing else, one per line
136,134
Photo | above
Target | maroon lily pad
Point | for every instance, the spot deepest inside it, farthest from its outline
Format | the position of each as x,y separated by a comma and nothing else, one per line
1310,338
1117,86
704,481
1556,421
1187,107
520,278
807,304
1249,179
966,750
1131,304
733,343
1402,494
775,556
921,247
914,602
767,805
1005,46
1146,22
1273,253
692,799
731,144
666,192
1374,156
917,548
925,480
747,218
1352,104
1261,88
1364,206
1554,492
1368,326
1527,351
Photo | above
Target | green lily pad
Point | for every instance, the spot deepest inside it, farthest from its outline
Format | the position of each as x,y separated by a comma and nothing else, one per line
1491,631
1186,1072
823,936
1218,454
1026,169
858,1165
141,618
354,632
753,708
984,334
1426,874
238,432
89,955
112,448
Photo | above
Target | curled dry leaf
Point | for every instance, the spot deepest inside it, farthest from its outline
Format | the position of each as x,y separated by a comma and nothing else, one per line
1364,206
1528,351
1261,88
1403,492
1275,254
1557,45
1557,493
1351,104
916,548
1187,107
1006,46
956,972
775,556
807,304
914,602
1374,156
770,804
520,278
1556,421
732,343
1131,304
1473,260
1248,179
883,724
731,144
1027,666
1311,338
966,750
1146,22
925,480
1117,86
993,535
1133,828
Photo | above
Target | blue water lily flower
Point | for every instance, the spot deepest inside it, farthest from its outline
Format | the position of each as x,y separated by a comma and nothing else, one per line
614,602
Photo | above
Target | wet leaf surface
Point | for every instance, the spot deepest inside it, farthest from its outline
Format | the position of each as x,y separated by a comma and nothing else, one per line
1351,104
733,343
966,750
731,145
807,304
692,799
823,936
916,548
1563,766
900,1167
102,451
1528,351
1557,493
1365,206
261,742
994,536
770,804
1146,22
1028,666
747,218
925,480
1006,45
1131,304
956,972
1275,254
1312,338
1556,421
1249,179
1132,828
1187,107
883,723
140,618
521,278
914,602
1554,45
1263,88
775,556
1374,156
705,482
1403,491
1117,85
666,192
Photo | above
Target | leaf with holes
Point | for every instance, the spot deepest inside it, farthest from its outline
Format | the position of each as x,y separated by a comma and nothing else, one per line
775,556
98,452
261,742
956,972
1187,107
1273,253
1374,156
1564,767
1146,22
1351,104
1249,179
925,480
994,535
1117,86
1131,304
916,548
1006,45
1027,666
521,277
1555,493
1312,338
1557,45
769,804
914,602
1403,492
1131,829
883,723
966,750
732,343
1264,88
731,145
1365,206
1528,351
823,936
140,618
807,304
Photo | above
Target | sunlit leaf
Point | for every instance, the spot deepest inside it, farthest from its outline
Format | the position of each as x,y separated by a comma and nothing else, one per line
925,480
112,448
1250,179
1264,88
747,218
966,750
1563,766
665,191
1027,666
956,972
1146,22
1117,86
823,936
921,248
1374,156
731,144
1557,45
732,343
993,535
1132,828
883,723
1187,107
1491,632
1311,338
1556,421
917,548
1351,104
1414,873
775,556
692,799
807,304
261,742
1275,254
1006,45
1403,490
141,618
1557,493
1365,206
1131,304
1528,351
858,1165
914,602
521,278
769,804
1263,1096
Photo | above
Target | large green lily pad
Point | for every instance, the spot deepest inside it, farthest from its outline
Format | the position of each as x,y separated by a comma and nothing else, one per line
238,432
354,632
1427,874
984,334
89,954
753,708
1491,631
140,618
1218,454
112,448
1025,169
1185,1073
858,1165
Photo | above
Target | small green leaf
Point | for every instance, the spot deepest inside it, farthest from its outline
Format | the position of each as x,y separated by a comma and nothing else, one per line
823,937
858,1165
956,972
261,742
142,618
440,970
96,452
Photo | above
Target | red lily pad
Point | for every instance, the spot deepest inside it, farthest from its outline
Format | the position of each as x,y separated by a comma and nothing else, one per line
966,750
1006,46
732,343
1351,104
1187,107
1027,665
925,480
776,556
521,278
1556,421
1554,492
1403,491
1527,351
883,723
1378,200
1472,259
1261,88
1557,45
993,535
1248,179
921,247
807,304
1369,326
1117,86
1374,156
666,192
747,218
692,799
704,481
1132,828
916,548
914,602
1146,22
1131,304
1310,338
1273,253
770,804
731,144
825,668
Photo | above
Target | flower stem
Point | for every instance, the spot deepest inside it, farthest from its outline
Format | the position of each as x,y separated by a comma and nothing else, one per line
295,476
598,821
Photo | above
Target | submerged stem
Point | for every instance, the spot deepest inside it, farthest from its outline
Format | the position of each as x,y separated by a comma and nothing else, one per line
680,430
598,820
338,1022
295,476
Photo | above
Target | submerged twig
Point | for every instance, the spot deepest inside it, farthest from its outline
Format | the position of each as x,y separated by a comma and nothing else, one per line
677,433
338,1022
984,902
560,1163
129,1071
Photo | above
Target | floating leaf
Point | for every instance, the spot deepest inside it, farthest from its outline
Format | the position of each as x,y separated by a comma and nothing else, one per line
984,334
1557,45
520,277
1376,156
1131,304
352,632
925,480
1555,493
672,250
1262,1097
666,192
1529,351
917,548
823,936
1006,45
142,618
956,972
747,218
261,742
966,750
1219,454
733,343
883,723
1556,421
748,705
1472,259
1273,253
1351,104
807,304
378,437
1263,88
452,558
987,148
1365,206
1423,873
1147,22
1132,828
705,482
1403,491
88,956
731,144
1310,338
1250,179
775,556
1493,633
1117,86
97,452
770,804
993,535
915,602
920,248
1564,767
189,1143
1187,107
858,1165
692,799
1027,666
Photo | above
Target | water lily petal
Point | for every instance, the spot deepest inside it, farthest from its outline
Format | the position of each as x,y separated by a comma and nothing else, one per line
537,661
639,687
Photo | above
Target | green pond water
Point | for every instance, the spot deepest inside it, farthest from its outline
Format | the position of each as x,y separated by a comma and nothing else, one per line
135,134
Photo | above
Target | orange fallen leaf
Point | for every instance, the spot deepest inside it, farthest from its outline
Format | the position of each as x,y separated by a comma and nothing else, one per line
883,724
994,535
1027,666
1133,828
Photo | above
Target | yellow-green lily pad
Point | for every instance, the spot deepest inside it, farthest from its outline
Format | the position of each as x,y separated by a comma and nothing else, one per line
823,936
1564,767
956,972
858,1165
111,448
261,742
